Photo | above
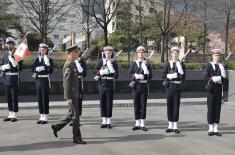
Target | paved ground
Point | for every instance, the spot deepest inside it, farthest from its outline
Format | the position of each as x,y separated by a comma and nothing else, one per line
26,137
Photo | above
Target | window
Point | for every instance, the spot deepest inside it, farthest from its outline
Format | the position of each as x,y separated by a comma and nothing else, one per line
56,36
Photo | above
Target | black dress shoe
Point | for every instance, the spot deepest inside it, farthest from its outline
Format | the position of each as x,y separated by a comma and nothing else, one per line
109,126
54,130
103,126
168,130
39,122
210,133
7,119
44,122
144,129
176,131
218,134
79,141
136,128
71,124
13,120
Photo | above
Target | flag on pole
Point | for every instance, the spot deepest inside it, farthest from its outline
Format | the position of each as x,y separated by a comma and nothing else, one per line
22,50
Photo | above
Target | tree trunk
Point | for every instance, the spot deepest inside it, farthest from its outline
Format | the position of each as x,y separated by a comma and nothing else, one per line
227,27
166,46
205,31
163,48
106,41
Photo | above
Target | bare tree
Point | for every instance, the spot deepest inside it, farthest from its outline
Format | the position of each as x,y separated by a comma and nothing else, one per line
42,16
205,30
139,7
164,21
85,20
107,9
227,25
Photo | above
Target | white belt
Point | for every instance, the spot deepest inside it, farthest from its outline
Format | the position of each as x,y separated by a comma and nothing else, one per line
107,78
46,76
143,81
79,77
175,82
9,73
43,76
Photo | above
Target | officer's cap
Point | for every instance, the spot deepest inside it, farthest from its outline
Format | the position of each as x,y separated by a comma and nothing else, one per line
72,48
140,48
43,45
216,51
10,40
175,48
108,48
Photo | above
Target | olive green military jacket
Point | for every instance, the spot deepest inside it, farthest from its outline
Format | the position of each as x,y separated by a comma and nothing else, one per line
70,80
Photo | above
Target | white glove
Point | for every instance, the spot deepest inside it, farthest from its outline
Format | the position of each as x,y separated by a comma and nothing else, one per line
104,71
12,60
4,67
39,69
46,60
172,76
139,76
216,79
79,67
110,67
179,67
144,67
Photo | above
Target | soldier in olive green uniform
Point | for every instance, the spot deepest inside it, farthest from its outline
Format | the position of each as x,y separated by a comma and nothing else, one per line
71,95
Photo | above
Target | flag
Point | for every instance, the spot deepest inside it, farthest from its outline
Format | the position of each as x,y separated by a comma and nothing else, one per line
22,50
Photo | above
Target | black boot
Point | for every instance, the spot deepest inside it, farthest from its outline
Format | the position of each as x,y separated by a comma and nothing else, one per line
79,141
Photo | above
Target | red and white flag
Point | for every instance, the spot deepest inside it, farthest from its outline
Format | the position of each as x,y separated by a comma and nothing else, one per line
22,50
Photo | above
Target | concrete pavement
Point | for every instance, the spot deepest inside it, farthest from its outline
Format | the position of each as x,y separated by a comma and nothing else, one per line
26,137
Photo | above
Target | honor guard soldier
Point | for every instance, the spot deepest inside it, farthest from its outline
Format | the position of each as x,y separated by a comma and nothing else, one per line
215,75
81,66
71,94
42,68
141,72
173,74
107,71
10,74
